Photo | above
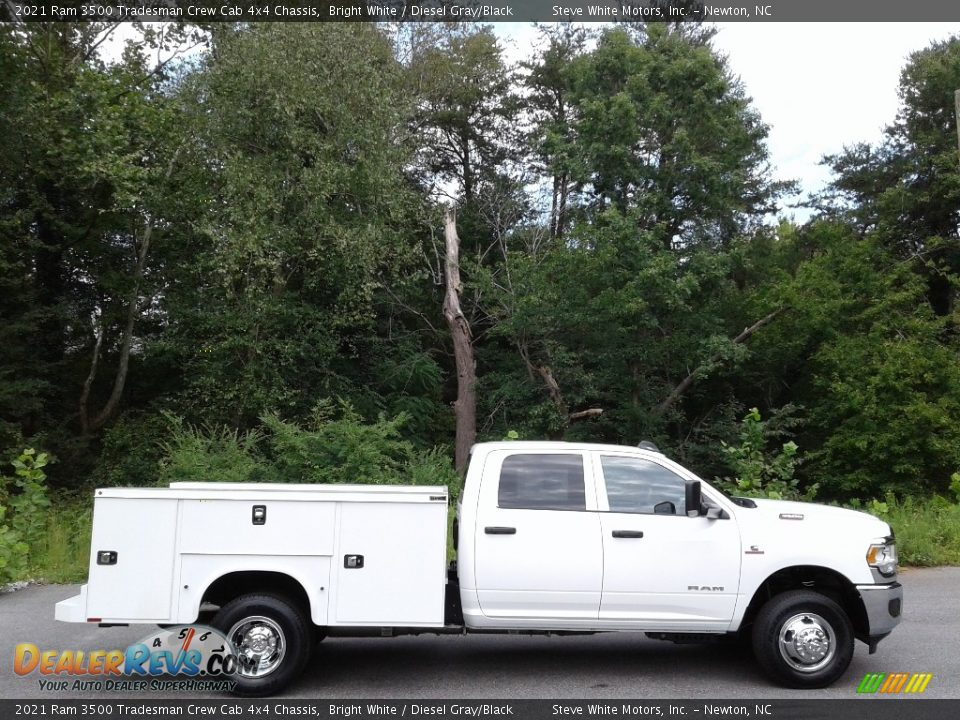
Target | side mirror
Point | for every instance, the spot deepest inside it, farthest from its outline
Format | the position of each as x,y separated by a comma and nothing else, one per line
692,498
665,508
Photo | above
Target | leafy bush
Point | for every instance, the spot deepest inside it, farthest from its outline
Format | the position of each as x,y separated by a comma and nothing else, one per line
210,453
131,453
22,513
758,472
339,447
336,447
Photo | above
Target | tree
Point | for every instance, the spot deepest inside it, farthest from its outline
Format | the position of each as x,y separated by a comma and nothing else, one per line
466,109
665,133
308,217
84,150
465,406
632,300
860,361
551,106
907,188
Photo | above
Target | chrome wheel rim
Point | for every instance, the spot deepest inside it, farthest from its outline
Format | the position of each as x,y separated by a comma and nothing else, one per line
807,642
260,646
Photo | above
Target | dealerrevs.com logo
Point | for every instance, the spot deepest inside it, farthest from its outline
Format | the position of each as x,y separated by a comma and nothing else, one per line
188,657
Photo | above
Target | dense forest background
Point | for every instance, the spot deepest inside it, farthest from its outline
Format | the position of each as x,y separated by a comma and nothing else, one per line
222,255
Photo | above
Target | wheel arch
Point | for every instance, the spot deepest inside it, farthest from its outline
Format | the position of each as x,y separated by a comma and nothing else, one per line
826,581
233,584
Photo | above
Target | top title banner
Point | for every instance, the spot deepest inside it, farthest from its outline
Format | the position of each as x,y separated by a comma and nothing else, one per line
200,11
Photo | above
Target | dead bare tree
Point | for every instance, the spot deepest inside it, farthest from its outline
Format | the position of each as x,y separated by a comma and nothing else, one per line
465,406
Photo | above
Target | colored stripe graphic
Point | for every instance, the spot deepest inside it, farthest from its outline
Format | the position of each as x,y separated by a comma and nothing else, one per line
893,683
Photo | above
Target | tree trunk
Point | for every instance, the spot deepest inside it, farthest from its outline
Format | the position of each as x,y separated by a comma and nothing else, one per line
555,208
110,408
562,208
91,376
465,407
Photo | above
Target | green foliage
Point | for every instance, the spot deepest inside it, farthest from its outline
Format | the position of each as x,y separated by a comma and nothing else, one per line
23,505
84,150
131,451
882,385
336,447
955,486
908,187
928,531
758,472
666,132
13,551
433,467
209,453
62,555
307,215
654,175
293,178
466,114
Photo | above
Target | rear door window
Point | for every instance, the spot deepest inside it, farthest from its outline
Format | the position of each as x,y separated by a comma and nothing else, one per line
533,481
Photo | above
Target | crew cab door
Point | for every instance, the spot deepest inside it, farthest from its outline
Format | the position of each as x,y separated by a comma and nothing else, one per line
662,569
538,548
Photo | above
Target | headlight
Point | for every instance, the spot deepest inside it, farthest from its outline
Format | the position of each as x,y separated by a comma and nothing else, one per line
883,557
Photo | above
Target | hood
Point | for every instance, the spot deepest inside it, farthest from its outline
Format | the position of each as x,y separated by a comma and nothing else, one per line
804,515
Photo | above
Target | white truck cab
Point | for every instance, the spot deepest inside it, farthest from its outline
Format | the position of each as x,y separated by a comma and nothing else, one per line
549,537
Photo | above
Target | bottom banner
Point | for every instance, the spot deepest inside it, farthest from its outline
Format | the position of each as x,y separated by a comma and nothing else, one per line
875,707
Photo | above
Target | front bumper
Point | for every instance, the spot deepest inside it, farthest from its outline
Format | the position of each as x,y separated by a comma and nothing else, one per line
884,607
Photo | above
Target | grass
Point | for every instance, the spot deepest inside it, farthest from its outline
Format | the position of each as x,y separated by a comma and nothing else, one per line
63,555
928,534
928,531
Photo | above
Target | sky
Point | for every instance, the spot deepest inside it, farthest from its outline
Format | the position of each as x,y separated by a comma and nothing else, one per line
819,86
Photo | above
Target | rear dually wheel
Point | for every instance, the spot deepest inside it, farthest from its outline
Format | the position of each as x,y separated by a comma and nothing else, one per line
272,638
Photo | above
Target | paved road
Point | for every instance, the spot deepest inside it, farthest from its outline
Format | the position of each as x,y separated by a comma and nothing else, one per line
516,667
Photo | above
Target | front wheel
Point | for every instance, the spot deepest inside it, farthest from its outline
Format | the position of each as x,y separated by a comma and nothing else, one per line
803,639
271,637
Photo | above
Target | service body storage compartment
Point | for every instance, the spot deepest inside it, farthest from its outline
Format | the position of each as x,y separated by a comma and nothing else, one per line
132,558
364,555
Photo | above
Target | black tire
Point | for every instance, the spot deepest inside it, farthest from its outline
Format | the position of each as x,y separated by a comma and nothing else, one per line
272,637
778,630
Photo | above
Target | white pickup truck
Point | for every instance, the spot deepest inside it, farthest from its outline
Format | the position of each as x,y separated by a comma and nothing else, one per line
550,538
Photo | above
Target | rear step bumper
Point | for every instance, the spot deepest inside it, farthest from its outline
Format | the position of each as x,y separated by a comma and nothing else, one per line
73,609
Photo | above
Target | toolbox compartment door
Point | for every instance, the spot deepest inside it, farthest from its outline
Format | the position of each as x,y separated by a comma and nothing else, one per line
390,564
136,583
